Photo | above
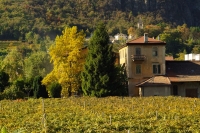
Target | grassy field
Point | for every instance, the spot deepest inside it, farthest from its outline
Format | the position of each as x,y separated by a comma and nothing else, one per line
102,115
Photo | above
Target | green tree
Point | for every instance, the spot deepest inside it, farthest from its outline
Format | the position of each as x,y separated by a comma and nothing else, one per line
173,41
65,55
39,90
15,90
120,84
97,76
13,65
29,37
185,32
38,63
55,90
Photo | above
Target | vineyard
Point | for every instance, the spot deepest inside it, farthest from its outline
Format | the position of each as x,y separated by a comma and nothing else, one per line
102,115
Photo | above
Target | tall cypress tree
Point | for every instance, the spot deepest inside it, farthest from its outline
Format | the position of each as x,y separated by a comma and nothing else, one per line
98,74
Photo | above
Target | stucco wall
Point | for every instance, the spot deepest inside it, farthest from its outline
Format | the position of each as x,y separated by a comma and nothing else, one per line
156,91
123,56
187,85
147,65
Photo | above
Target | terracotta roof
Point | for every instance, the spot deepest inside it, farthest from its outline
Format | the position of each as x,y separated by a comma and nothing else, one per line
183,71
169,58
156,81
183,78
140,40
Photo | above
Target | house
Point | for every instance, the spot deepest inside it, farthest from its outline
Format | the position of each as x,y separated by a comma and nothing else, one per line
143,57
130,37
149,74
184,77
120,36
192,57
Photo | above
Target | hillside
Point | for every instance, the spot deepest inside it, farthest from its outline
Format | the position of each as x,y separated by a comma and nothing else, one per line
48,17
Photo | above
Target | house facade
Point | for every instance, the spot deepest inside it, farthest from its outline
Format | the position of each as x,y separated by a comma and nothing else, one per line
184,77
143,57
149,74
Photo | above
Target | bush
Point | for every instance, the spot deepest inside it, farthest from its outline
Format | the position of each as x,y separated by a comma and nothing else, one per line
39,90
55,90
4,78
13,93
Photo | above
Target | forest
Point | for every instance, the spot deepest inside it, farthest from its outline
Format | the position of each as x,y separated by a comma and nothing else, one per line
29,28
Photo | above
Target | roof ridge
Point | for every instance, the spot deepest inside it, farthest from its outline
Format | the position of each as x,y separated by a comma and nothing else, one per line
144,81
135,39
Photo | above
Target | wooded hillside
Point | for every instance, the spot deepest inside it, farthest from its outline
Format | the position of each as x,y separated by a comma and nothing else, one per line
49,17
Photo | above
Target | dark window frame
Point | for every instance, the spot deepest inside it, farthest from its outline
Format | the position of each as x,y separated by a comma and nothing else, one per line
138,51
155,51
138,69
156,68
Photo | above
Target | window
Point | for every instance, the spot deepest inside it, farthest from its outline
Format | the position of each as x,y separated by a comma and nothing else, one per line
156,68
138,51
155,51
138,69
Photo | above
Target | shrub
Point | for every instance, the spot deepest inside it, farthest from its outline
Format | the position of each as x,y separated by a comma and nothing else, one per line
39,90
13,93
55,90
4,78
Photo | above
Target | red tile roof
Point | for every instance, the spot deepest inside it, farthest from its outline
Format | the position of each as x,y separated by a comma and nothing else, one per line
169,58
140,40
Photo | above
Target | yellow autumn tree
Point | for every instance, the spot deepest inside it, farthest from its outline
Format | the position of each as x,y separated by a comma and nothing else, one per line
65,56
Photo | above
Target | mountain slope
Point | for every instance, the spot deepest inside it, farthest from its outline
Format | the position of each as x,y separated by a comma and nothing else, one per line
48,17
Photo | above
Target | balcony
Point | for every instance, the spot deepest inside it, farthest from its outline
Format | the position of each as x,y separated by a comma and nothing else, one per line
138,57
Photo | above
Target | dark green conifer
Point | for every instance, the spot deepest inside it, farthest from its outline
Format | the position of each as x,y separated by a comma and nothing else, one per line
39,90
97,77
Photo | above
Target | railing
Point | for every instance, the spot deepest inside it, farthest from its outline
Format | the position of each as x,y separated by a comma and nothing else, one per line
138,57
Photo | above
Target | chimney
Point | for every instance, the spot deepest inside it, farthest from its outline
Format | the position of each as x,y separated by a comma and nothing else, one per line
145,37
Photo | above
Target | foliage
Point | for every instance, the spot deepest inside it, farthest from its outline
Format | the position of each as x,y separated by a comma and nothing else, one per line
120,84
111,114
98,74
173,43
131,31
39,90
38,63
4,130
13,64
28,88
55,90
153,30
65,55
12,92
4,80
32,20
